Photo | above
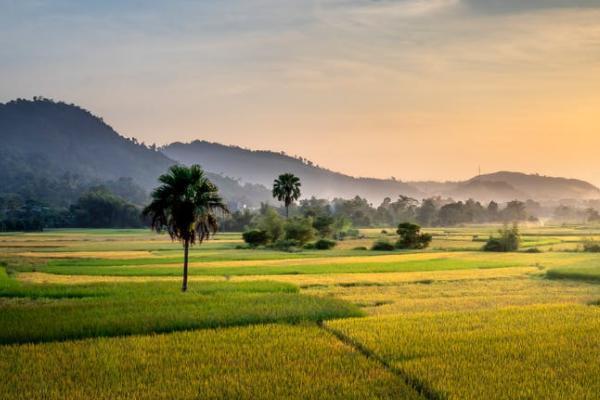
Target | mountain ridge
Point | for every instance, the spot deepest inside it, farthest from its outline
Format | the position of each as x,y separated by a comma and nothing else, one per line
47,141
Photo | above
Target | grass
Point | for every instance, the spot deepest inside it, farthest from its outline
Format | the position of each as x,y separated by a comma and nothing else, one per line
544,352
433,294
64,312
585,272
264,361
99,314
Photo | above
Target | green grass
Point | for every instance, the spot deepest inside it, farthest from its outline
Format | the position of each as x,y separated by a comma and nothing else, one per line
437,264
538,352
259,362
586,272
82,311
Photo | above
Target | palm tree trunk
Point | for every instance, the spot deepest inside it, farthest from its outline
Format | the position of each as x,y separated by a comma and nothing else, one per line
287,211
186,249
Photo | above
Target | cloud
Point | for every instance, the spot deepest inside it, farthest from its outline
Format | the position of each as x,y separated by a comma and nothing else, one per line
519,6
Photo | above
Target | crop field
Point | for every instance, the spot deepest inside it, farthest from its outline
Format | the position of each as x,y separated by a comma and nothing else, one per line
99,314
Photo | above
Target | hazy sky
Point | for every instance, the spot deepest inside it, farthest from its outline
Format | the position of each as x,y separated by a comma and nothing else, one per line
416,89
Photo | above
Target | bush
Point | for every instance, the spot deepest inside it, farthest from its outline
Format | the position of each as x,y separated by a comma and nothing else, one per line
509,240
290,245
324,244
382,245
591,246
411,237
256,237
299,229
272,223
360,248
533,250
324,225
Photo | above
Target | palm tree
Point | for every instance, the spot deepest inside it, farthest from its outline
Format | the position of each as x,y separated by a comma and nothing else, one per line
185,205
286,188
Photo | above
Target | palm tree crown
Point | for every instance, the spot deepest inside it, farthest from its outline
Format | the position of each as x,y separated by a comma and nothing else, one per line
185,205
286,188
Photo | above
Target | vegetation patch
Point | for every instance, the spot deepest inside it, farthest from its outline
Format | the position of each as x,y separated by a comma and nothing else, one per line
138,308
257,362
499,354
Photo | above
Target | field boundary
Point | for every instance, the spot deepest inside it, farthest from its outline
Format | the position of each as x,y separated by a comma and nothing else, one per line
420,387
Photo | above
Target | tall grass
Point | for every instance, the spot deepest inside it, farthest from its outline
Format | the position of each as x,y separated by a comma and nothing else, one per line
543,352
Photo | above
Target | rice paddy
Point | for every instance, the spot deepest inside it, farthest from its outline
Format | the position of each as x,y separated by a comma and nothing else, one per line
99,314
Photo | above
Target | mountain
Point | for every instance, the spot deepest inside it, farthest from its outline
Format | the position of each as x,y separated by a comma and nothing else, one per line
505,186
53,152
49,148
541,187
263,167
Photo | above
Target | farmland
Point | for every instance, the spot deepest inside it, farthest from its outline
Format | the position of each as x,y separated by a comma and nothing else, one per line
99,314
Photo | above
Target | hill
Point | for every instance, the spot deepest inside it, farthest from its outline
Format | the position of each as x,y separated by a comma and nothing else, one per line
262,167
52,150
541,187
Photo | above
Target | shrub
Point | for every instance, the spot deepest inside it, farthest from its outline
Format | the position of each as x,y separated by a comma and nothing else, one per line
533,250
324,225
591,246
509,240
299,229
290,245
411,237
360,248
272,223
324,244
382,245
256,237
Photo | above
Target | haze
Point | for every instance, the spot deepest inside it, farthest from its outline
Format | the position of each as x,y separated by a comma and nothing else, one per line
416,89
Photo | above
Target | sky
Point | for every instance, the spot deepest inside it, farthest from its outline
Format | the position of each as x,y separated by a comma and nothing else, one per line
415,89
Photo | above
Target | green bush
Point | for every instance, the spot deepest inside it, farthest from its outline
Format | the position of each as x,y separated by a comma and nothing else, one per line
411,237
290,245
324,244
382,245
272,223
533,250
299,229
509,240
256,237
324,225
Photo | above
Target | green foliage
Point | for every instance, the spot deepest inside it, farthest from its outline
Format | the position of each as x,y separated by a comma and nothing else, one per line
509,240
286,188
325,244
185,205
324,225
299,229
382,245
256,237
99,208
272,223
289,245
411,237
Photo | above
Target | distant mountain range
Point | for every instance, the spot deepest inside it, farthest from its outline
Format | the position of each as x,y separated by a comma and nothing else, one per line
259,166
49,149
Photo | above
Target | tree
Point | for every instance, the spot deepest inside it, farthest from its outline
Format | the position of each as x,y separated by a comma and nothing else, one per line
411,237
185,205
508,240
426,213
286,188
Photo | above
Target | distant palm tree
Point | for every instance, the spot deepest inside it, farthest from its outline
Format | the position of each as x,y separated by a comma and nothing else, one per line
286,188
185,205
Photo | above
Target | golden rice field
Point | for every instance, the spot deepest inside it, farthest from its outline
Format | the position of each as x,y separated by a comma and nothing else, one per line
98,314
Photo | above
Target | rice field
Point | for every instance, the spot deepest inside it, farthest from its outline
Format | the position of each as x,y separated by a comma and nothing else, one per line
99,314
